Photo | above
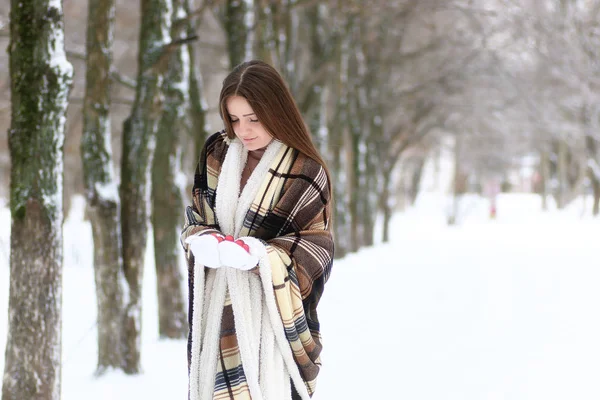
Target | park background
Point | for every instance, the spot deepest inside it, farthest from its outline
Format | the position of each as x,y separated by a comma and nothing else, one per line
462,137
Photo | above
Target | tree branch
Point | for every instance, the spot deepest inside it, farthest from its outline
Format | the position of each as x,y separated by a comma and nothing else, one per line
163,53
197,14
122,79
113,102
76,55
114,74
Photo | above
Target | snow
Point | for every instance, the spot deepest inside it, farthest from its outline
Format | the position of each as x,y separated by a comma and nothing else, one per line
165,24
57,60
56,50
109,190
486,309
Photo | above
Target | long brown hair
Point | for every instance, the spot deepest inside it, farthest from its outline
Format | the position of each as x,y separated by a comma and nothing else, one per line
272,102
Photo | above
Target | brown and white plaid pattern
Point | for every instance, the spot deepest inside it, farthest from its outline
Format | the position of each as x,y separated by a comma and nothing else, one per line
290,214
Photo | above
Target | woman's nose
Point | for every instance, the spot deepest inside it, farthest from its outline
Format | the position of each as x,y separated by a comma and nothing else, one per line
244,126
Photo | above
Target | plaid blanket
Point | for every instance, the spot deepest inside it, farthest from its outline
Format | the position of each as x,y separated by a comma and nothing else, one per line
290,214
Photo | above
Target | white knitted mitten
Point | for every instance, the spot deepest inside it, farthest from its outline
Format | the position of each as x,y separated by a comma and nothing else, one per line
255,246
237,254
205,249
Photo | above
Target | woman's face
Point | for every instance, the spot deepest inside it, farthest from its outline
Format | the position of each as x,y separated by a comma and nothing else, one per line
246,125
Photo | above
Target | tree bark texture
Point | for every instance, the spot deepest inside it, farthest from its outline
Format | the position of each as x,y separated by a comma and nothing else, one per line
592,153
100,185
385,206
457,189
265,41
40,83
314,105
167,182
415,179
545,178
337,129
354,189
369,204
236,22
198,107
563,173
139,142
288,60
596,194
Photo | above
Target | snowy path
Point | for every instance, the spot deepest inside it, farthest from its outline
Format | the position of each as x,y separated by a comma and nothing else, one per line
484,311
508,309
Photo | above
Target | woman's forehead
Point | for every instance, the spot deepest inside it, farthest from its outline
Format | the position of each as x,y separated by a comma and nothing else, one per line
238,105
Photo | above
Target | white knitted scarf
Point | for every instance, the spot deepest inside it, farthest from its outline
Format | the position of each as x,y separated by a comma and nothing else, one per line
265,352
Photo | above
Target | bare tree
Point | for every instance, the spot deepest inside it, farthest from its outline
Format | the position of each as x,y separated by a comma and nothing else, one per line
139,142
168,183
198,109
238,21
566,42
40,84
103,205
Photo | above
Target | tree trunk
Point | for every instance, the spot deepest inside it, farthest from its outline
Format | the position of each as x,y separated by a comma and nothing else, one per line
289,65
415,179
369,205
168,183
198,107
265,46
199,127
139,140
545,178
239,30
353,142
576,184
337,132
40,85
456,185
596,189
314,106
563,173
374,176
353,157
100,186
340,226
594,170
386,206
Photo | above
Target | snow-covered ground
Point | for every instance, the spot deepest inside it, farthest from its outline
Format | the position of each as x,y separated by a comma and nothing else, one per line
485,310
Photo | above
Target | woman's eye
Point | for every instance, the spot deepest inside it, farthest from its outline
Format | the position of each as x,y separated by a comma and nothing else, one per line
233,121
253,120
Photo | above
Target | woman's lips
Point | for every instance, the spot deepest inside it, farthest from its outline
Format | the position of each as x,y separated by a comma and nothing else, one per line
248,139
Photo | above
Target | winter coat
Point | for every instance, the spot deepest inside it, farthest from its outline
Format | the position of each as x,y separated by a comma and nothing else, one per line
254,336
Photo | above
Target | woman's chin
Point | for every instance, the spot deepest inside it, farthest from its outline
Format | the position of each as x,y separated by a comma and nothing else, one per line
255,145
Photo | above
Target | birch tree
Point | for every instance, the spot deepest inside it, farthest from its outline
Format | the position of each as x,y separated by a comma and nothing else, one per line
139,142
103,205
40,84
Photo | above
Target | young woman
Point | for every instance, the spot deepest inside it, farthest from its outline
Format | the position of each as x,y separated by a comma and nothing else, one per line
259,247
